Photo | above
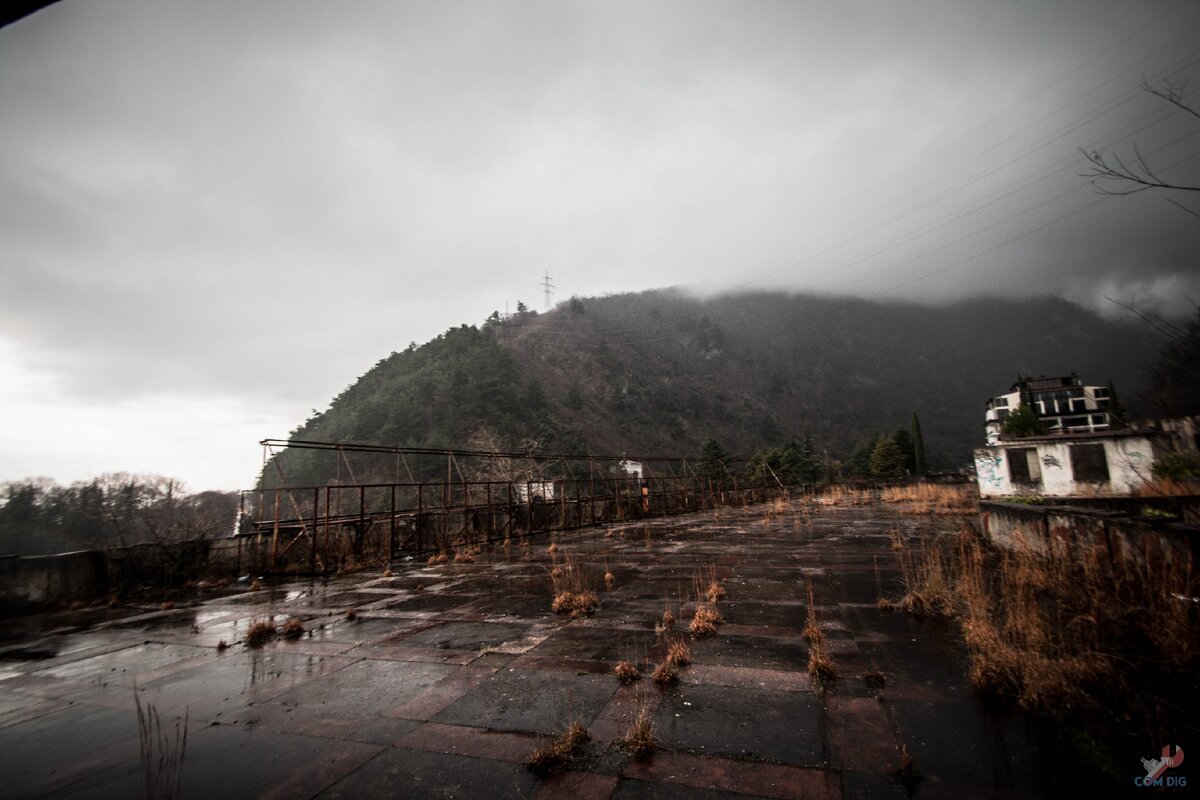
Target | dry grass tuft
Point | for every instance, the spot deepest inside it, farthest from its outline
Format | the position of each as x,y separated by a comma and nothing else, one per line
704,622
679,653
255,585
577,604
639,740
351,615
553,548
162,753
609,579
293,629
260,632
933,498
706,586
437,558
573,593
820,666
668,620
464,557
812,630
561,750
627,672
1060,628
885,604
666,674
387,573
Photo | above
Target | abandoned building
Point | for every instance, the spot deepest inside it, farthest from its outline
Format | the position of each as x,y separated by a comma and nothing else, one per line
1064,405
1085,452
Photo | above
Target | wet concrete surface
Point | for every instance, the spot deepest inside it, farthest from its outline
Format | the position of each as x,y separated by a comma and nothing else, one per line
448,677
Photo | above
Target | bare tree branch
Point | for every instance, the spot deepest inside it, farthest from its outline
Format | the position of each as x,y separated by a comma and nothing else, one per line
1138,176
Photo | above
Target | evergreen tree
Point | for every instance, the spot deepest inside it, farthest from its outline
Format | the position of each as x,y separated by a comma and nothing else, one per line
919,465
904,441
887,461
712,461
859,463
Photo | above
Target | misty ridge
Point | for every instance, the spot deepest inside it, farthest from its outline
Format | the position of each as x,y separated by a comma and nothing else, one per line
663,372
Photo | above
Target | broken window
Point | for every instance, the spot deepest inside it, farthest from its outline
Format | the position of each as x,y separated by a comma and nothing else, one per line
1088,463
1023,465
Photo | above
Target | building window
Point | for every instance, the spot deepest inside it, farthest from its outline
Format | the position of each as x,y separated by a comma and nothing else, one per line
1088,463
1023,465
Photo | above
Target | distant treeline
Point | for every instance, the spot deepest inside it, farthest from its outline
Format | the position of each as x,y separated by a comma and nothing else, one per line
39,516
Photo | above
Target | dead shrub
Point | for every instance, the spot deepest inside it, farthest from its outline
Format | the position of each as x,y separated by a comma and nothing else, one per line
561,750
260,632
627,672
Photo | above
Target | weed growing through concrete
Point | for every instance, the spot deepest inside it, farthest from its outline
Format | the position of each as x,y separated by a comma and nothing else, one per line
666,673
639,740
679,653
704,622
293,629
812,631
260,632
820,666
572,592
561,750
627,672
162,752
906,774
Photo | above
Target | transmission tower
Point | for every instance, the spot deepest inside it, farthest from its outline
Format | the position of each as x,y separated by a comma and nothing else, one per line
547,288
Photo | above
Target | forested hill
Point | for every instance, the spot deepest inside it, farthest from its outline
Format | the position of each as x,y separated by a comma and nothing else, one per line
661,372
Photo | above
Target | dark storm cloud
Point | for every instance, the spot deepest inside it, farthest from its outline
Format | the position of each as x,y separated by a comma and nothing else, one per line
257,201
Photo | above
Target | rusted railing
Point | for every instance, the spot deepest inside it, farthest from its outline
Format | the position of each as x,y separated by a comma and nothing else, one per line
318,528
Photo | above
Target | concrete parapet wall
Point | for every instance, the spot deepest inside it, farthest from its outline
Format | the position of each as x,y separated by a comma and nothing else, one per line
1067,529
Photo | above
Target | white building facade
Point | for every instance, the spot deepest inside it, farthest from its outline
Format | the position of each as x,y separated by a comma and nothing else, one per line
1109,463
1064,405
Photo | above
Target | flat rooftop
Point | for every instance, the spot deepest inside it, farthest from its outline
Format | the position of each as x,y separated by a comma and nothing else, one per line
448,677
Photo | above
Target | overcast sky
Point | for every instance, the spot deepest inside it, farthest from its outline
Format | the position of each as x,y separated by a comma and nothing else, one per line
214,216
